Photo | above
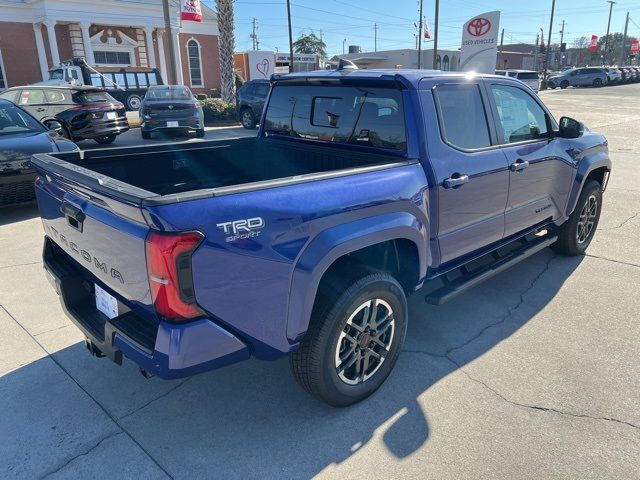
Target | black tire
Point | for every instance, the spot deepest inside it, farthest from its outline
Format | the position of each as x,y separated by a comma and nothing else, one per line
564,84
106,139
569,233
314,364
145,135
247,119
552,86
200,133
597,82
133,102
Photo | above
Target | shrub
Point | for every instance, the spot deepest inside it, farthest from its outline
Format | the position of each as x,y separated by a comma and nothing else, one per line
217,110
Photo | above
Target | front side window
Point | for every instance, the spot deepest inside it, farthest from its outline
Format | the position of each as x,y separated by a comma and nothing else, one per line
195,68
356,115
15,121
521,118
32,97
463,122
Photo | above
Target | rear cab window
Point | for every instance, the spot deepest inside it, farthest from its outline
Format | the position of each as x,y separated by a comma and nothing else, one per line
357,115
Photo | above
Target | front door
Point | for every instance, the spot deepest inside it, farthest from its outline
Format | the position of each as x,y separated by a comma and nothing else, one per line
540,170
470,172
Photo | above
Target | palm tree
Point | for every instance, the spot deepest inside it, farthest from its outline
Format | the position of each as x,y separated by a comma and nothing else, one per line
227,47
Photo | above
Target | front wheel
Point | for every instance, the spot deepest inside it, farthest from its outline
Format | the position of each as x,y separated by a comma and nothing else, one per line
353,341
200,133
564,84
597,82
106,139
248,119
576,233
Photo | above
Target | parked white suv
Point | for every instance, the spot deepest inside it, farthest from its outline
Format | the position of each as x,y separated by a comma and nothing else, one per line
528,77
613,75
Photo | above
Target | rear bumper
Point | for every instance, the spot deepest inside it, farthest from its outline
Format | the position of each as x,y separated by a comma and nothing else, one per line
167,350
87,130
184,124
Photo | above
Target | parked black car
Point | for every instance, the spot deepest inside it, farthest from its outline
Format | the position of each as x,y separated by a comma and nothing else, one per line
171,108
250,100
85,113
21,135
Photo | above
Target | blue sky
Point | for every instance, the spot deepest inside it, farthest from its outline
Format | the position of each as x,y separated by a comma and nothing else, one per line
354,20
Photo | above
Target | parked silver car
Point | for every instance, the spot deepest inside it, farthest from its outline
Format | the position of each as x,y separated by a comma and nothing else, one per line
579,77
528,77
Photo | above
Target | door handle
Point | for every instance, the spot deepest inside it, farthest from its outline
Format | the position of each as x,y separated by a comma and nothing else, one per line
455,180
75,216
518,165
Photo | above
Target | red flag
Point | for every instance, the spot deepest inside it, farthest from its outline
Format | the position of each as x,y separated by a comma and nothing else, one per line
191,10
634,46
593,46
427,34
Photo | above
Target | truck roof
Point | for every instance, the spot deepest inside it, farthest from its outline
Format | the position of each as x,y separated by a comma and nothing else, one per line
410,76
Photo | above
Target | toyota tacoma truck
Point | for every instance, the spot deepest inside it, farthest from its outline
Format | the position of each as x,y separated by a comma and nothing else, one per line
361,187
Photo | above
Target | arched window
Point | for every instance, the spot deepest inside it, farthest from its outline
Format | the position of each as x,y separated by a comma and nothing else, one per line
438,62
445,63
195,63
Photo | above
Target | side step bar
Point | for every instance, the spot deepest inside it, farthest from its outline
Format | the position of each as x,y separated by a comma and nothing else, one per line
453,288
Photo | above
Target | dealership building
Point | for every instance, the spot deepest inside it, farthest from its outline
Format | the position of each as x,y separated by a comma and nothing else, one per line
36,35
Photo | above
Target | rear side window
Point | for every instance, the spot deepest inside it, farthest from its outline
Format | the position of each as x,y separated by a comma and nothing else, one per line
527,76
58,96
356,115
92,97
463,121
261,89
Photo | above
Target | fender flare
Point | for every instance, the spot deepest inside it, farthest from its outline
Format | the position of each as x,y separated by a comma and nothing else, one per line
338,241
585,167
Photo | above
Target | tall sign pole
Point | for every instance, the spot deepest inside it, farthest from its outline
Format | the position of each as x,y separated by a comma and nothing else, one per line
606,38
499,66
435,34
623,56
546,55
420,38
290,37
173,75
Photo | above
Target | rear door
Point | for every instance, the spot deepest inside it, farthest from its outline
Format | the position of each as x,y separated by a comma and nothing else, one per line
34,101
540,171
471,173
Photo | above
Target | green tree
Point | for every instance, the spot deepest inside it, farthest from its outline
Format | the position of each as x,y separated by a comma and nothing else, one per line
614,46
310,44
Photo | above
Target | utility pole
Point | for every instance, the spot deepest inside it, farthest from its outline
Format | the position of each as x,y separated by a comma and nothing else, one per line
420,37
375,37
537,51
253,35
606,38
561,40
344,41
173,75
546,55
624,42
435,34
501,45
290,37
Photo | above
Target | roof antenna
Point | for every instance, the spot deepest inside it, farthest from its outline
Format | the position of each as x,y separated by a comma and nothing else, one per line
345,64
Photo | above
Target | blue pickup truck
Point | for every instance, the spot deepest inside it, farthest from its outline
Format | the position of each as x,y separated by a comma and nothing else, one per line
360,188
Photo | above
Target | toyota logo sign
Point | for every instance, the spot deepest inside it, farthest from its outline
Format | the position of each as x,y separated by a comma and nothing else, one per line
479,27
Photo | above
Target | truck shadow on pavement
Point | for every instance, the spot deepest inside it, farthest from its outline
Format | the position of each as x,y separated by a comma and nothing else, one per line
18,213
252,420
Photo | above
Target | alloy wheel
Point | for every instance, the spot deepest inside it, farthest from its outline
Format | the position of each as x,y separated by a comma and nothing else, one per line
587,220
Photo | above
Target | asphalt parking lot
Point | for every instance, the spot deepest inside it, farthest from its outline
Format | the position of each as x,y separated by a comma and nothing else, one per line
534,374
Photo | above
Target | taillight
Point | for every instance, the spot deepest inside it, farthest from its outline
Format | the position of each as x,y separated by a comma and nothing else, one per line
170,276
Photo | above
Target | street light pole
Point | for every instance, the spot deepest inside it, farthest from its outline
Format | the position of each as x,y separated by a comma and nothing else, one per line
420,37
606,38
435,34
173,74
546,55
290,37
624,42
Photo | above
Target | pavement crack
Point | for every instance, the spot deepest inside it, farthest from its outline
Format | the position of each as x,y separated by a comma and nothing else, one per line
612,260
171,390
2,267
509,313
635,215
82,454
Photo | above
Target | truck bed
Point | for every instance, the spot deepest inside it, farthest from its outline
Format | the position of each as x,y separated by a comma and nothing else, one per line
224,166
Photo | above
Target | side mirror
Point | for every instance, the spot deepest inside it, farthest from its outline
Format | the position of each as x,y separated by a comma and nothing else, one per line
570,128
54,126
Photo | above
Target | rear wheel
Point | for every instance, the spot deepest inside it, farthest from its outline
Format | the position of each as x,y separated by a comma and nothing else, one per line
133,102
106,139
597,82
353,341
576,233
247,118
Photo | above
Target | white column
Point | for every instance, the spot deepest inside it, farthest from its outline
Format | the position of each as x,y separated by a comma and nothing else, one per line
86,42
175,38
42,54
163,62
151,51
53,43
